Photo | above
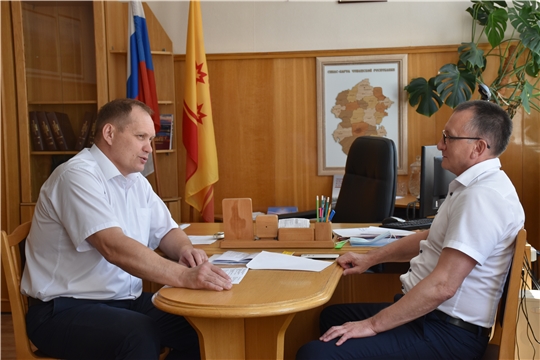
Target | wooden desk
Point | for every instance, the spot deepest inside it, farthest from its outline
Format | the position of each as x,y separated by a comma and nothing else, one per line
304,326
249,321
405,200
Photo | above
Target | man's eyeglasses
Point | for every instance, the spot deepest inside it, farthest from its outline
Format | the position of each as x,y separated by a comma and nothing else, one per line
444,136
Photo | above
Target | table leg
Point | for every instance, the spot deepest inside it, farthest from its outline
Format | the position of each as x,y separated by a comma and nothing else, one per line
220,338
259,331
237,338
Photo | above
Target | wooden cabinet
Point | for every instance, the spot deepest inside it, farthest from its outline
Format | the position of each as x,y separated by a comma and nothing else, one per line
165,178
71,59
60,69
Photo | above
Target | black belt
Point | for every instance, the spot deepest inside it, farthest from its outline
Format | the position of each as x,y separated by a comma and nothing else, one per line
475,329
32,301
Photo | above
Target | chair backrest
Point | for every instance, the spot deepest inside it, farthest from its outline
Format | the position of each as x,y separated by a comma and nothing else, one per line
503,342
13,266
368,190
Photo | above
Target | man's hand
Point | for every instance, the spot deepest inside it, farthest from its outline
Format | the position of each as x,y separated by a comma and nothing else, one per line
349,330
206,276
192,257
353,263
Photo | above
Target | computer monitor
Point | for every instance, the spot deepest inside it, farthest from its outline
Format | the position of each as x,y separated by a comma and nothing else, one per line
434,181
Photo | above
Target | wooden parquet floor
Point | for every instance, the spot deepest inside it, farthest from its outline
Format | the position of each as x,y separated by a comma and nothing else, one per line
8,339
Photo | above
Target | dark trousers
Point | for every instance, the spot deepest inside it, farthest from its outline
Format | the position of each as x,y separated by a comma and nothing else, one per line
427,337
70,328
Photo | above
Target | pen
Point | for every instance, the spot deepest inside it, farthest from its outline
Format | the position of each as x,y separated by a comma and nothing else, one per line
332,213
328,212
317,208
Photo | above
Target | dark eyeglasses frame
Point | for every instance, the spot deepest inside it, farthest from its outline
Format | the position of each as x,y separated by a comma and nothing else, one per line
444,136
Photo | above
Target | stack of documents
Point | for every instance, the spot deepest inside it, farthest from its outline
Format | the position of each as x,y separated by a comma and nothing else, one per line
232,258
371,236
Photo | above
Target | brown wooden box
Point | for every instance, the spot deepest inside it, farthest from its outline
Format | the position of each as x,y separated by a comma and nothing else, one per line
296,234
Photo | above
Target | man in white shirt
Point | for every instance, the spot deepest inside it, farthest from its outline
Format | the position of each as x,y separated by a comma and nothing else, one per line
457,268
96,225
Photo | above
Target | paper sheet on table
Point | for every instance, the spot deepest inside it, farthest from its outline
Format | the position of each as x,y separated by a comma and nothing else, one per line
183,226
202,239
236,274
275,261
372,230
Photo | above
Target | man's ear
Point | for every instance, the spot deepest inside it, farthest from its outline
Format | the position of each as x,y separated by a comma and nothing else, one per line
108,132
480,148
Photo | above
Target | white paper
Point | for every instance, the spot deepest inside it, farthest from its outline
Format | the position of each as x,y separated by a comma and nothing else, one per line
293,223
202,239
232,257
236,274
372,230
183,226
276,261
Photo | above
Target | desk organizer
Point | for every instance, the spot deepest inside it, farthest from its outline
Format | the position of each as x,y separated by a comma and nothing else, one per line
240,232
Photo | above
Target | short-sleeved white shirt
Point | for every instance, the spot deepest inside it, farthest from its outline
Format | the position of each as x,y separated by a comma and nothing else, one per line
480,217
81,197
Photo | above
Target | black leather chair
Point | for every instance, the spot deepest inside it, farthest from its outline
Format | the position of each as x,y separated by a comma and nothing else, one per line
368,190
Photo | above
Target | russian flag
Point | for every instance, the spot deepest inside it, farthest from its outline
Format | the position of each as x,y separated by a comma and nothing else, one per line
141,84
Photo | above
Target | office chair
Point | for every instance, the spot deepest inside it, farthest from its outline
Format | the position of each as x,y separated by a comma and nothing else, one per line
368,190
13,261
502,344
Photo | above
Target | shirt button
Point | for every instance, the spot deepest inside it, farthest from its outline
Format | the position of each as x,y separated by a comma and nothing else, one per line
421,251
410,270
402,287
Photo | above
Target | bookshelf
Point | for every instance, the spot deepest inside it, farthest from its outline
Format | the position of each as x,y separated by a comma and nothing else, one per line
59,68
70,58
163,60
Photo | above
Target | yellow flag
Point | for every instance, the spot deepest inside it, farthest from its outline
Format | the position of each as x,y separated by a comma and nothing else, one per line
197,125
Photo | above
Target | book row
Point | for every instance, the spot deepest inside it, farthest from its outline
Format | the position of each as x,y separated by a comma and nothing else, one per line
52,131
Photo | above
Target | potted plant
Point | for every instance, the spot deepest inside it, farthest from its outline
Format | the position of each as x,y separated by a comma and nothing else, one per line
516,83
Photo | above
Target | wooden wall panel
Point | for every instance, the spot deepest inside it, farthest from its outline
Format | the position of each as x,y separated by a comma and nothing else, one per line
265,119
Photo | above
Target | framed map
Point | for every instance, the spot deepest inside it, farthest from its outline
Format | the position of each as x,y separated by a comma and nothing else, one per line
357,96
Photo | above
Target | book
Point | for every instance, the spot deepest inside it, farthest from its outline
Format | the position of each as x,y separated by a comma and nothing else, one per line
46,131
37,140
92,132
85,130
163,139
281,210
62,130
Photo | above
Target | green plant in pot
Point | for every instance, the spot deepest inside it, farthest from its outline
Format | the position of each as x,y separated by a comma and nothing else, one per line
518,56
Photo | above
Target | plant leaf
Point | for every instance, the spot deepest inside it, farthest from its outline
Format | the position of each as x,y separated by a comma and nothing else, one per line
454,85
423,92
532,68
525,18
481,10
496,26
526,94
471,55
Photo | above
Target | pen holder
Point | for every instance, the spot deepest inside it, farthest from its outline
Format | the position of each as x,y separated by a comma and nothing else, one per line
323,231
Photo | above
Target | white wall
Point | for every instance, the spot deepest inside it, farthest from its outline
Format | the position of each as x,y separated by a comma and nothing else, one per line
271,26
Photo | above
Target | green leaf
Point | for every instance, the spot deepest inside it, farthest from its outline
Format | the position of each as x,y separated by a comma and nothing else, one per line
496,26
532,68
481,10
525,18
423,92
454,85
526,94
471,55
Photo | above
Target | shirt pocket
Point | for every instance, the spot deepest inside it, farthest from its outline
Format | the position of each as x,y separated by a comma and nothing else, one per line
144,217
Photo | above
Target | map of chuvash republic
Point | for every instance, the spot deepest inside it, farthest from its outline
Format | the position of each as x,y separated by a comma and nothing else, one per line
361,110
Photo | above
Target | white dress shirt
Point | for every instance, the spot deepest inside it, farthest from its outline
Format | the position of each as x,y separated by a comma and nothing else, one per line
480,217
81,197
